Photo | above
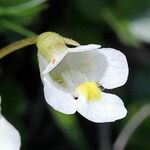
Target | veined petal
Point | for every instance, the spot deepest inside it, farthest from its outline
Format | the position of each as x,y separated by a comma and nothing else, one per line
49,66
82,66
108,109
58,99
84,48
9,136
117,70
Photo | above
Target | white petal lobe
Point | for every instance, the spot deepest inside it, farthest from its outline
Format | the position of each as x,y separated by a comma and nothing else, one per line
117,70
84,48
58,99
108,109
9,136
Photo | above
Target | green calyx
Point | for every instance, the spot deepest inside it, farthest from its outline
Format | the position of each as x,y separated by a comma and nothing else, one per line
50,44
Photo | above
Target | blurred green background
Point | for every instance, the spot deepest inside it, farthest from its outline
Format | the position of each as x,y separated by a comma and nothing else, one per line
120,24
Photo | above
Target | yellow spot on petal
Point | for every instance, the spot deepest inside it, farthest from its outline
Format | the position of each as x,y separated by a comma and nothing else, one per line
89,90
57,78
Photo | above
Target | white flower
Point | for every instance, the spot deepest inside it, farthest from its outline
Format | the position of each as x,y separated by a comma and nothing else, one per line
9,136
74,82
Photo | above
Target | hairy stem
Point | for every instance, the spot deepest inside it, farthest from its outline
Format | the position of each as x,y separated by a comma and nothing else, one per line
17,45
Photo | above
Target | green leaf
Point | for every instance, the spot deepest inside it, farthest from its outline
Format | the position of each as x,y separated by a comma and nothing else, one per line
6,24
22,13
16,10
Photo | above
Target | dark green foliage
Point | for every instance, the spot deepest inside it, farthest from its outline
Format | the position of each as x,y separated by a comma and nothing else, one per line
88,21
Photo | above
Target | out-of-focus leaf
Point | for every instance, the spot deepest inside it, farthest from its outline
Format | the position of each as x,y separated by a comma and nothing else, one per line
16,10
120,27
30,16
6,24
22,13
11,3
69,125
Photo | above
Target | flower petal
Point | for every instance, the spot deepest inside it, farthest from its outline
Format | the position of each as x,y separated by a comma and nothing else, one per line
46,67
84,48
9,136
116,72
108,109
57,98
82,65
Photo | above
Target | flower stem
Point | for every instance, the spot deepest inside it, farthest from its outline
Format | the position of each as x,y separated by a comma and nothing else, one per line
17,45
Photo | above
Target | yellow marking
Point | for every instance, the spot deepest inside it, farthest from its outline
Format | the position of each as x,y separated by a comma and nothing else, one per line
89,90
57,78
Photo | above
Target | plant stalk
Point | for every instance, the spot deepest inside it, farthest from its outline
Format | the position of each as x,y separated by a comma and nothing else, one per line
17,45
